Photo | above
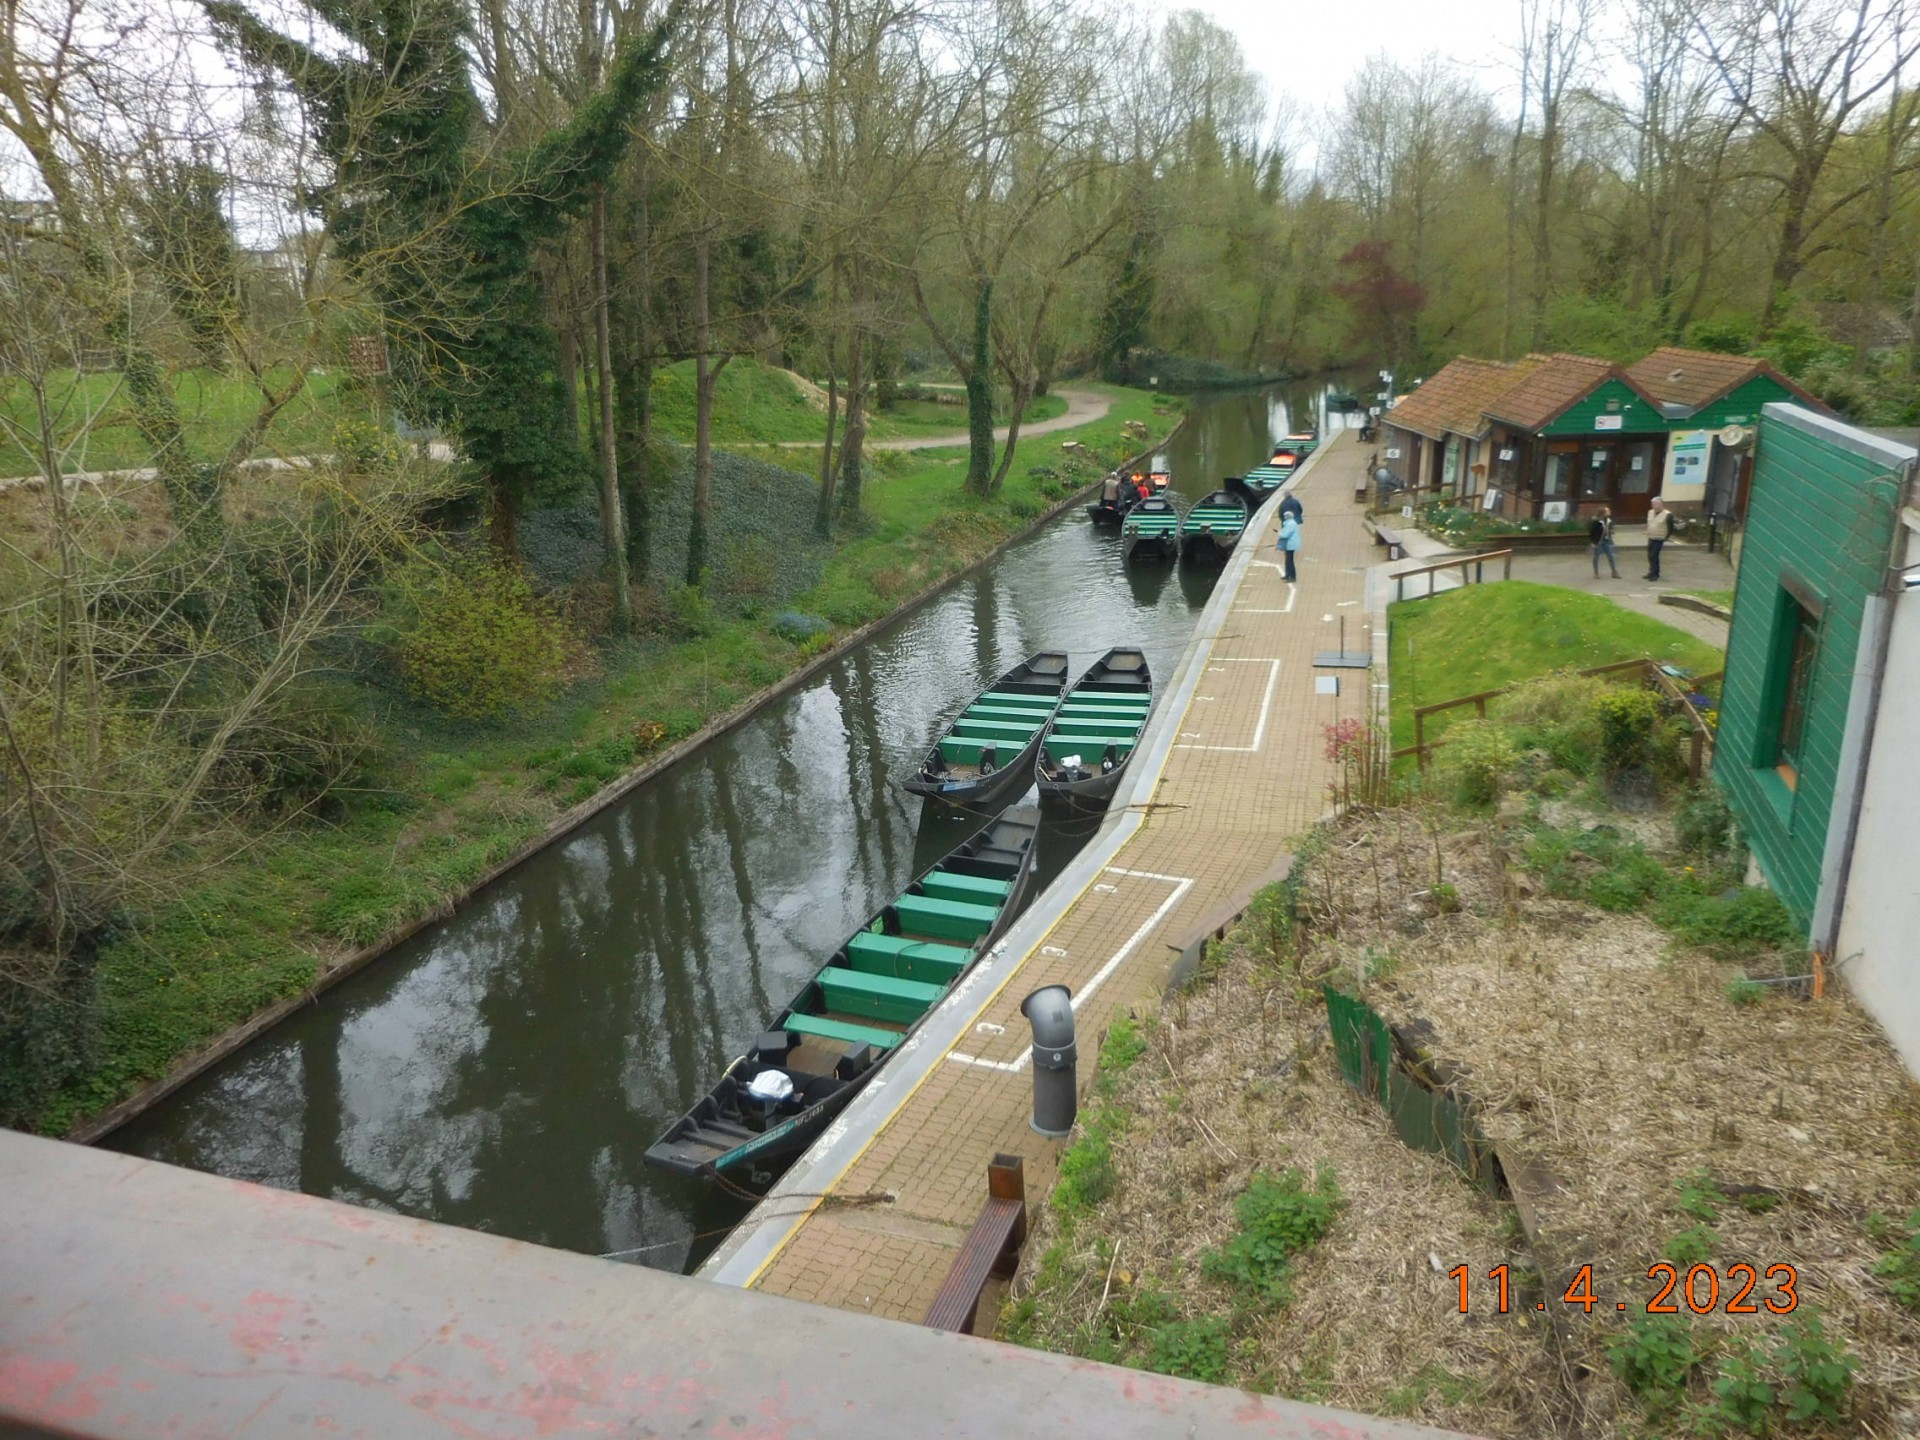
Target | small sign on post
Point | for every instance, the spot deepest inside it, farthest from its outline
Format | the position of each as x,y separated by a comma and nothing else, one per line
367,356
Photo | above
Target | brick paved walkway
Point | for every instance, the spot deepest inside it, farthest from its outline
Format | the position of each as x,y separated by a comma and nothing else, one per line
1247,772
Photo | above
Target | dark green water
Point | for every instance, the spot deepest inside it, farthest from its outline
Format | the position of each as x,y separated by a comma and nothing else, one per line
506,1069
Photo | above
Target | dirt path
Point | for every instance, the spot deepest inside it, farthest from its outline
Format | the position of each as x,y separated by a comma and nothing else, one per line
1083,408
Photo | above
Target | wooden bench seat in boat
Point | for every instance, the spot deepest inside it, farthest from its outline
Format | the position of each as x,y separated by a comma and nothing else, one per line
1019,698
824,1029
1059,747
945,919
877,997
992,1247
959,750
953,885
906,958
1014,732
1006,714
1078,711
1106,730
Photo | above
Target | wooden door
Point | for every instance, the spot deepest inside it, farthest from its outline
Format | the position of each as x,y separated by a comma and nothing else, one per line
1639,462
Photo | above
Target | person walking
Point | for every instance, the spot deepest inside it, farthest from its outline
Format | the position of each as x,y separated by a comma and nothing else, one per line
1289,542
1659,531
1600,540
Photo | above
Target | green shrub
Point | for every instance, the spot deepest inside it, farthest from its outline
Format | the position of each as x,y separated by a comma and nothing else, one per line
1655,1357
799,628
1816,1375
1629,721
478,642
1191,1349
1480,755
1699,1197
1703,825
1087,1175
1279,1217
1899,1269
1557,714
1738,922
1692,1246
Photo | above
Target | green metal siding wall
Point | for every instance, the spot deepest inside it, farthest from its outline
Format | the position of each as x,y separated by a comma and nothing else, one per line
1739,406
1637,416
1817,515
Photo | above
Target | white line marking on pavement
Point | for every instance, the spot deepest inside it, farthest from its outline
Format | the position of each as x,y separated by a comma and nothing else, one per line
1266,705
1181,884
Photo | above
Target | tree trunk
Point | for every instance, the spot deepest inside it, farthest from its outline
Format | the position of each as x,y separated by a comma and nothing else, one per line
633,383
704,374
1022,397
570,365
979,378
853,442
823,517
612,519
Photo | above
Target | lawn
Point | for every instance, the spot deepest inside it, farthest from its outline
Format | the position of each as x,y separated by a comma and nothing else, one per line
92,422
1484,637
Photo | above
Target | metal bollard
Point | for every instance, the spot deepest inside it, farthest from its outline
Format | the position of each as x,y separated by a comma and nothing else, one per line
1055,1095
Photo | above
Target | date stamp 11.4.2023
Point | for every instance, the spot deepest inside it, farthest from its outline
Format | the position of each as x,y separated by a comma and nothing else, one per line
1737,1289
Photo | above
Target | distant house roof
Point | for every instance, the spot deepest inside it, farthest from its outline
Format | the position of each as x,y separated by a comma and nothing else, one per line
1697,378
1455,400
1555,383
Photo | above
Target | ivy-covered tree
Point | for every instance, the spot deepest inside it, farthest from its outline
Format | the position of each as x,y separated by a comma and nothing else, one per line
444,233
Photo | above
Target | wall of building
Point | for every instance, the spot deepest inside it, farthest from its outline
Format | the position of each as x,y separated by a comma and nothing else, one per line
1878,952
1821,520
1611,400
1739,406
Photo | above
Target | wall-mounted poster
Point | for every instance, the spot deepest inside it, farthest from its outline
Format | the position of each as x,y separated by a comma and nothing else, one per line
1492,500
1609,422
1554,511
1686,479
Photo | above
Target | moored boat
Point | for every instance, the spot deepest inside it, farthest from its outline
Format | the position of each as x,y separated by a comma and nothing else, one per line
1302,442
1151,531
872,993
986,756
1267,478
1118,494
1210,530
1098,729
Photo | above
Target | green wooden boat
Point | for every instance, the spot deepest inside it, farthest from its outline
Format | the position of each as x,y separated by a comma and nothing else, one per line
857,1011
986,757
1151,531
1097,730
1210,530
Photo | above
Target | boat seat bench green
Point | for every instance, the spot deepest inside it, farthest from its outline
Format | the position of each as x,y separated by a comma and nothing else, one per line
822,1028
906,958
877,997
1059,747
1016,697
954,885
962,751
945,919
968,728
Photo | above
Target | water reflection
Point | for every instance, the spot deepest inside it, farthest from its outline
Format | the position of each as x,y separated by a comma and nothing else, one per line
506,1069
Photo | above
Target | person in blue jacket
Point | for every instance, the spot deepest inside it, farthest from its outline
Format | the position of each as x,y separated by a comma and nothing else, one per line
1289,542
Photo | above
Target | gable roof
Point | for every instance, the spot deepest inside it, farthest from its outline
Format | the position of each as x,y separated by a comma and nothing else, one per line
1556,383
1455,400
1697,378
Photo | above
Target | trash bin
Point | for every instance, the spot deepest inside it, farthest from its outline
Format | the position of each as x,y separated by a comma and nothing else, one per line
1055,1059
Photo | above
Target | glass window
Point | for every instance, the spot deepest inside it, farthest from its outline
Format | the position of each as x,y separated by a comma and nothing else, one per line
1559,473
1798,643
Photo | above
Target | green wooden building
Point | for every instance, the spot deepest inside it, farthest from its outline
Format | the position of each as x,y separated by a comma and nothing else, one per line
1805,655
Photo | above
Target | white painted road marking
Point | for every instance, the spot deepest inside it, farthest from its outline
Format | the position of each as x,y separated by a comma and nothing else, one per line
1260,728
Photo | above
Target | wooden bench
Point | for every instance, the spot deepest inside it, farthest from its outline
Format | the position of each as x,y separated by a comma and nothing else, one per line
1396,547
905,958
945,919
822,1028
992,1247
876,997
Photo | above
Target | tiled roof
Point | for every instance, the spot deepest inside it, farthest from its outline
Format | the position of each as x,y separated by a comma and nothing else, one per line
1455,399
1557,382
1695,378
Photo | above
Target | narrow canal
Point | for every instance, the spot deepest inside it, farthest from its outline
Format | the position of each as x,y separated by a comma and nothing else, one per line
505,1070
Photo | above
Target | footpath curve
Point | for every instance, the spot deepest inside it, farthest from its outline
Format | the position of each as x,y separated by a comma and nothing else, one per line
1083,408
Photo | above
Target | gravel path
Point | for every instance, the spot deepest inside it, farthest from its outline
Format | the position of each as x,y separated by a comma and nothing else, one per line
1083,408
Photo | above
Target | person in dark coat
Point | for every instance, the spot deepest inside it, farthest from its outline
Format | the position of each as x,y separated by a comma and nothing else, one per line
1600,541
1291,506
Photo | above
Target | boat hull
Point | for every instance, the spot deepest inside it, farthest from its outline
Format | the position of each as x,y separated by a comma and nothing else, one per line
1213,527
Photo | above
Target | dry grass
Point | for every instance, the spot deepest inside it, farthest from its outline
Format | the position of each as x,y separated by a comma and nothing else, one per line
1596,1050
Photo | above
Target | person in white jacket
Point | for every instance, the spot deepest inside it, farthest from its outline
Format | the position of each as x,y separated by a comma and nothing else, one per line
1659,531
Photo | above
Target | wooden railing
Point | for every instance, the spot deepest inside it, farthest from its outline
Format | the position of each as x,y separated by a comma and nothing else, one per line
1648,671
1477,563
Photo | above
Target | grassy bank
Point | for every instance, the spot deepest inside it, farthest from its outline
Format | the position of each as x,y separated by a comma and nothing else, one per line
1485,637
442,802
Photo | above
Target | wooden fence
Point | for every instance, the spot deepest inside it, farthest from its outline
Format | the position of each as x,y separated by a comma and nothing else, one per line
1462,563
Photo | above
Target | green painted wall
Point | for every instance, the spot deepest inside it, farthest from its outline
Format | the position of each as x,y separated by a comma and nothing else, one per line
1817,515
1739,406
1637,416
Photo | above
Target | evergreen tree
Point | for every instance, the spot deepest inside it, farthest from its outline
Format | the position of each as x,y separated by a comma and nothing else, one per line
445,236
